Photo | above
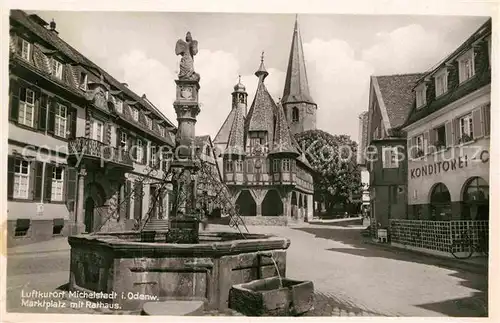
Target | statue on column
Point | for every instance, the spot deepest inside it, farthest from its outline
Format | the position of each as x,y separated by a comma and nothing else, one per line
187,49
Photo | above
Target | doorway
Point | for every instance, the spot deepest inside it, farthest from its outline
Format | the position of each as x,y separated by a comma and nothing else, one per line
89,214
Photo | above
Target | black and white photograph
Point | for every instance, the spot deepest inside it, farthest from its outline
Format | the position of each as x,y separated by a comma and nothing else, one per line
226,162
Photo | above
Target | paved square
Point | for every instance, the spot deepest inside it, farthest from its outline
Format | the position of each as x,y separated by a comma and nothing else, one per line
350,277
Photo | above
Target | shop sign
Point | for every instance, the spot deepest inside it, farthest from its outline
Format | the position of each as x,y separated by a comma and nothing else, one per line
448,165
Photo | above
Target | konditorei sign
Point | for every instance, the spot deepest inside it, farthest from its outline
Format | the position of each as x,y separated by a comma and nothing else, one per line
448,165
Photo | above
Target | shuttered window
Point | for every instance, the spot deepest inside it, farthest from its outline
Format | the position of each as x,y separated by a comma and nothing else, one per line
465,128
26,110
61,120
21,179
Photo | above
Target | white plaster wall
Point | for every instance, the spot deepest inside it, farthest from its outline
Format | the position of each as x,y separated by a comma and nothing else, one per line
419,188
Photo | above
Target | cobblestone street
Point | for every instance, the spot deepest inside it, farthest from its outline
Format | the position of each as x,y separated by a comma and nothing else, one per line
350,278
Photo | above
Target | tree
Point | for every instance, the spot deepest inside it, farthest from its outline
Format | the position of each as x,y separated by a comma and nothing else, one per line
337,177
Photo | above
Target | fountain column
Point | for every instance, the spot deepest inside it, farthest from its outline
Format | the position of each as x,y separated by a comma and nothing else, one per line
187,108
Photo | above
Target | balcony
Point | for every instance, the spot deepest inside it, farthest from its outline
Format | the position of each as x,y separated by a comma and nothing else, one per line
86,149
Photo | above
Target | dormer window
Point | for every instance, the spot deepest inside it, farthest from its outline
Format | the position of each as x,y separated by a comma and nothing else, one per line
56,68
466,66
162,131
149,122
118,105
83,81
441,82
135,114
421,95
25,49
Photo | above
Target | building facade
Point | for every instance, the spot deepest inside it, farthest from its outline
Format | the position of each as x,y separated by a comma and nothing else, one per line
390,101
449,136
269,177
80,142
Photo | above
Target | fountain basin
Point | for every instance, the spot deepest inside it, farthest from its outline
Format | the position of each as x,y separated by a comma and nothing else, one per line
272,296
118,268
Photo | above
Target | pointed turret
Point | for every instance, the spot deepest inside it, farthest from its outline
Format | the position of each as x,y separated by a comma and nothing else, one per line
299,107
261,73
259,121
235,142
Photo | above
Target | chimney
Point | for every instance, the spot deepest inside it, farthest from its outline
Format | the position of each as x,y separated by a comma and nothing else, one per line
52,26
143,96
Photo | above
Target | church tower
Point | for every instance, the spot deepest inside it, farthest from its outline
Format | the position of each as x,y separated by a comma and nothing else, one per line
300,109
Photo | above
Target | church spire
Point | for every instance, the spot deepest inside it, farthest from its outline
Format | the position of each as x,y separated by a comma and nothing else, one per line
296,85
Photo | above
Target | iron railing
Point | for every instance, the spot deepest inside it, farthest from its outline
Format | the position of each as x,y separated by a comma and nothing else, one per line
93,148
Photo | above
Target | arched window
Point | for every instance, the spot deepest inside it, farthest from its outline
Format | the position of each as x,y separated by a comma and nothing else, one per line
440,203
475,198
295,114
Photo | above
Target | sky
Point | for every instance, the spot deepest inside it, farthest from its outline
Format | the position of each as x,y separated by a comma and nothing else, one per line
341,52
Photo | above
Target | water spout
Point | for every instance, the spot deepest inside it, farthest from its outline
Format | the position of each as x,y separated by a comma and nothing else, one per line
275,266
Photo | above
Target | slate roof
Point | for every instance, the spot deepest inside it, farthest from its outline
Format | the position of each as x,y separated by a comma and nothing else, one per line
261,114
397,96
283,142
236,140
31,23
296,84
222,136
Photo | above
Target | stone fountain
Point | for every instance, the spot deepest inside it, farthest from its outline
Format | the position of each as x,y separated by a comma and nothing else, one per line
134,267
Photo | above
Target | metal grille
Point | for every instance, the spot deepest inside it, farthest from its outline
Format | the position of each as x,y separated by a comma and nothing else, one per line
435,235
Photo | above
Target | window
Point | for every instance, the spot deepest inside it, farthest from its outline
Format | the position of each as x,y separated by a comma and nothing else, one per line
135,114
119,105
83,81
21,178
466,66
421,96
97,130
276,165
149,122
419,141
286,165
25,50
57,184
295,114
439,137
239,166
441,82
123,141
140,151
390,157
162,131
26,107
56,68
229,165
61,120
465,128
152,159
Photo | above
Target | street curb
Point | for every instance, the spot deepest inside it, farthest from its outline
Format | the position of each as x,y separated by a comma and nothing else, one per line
445,262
